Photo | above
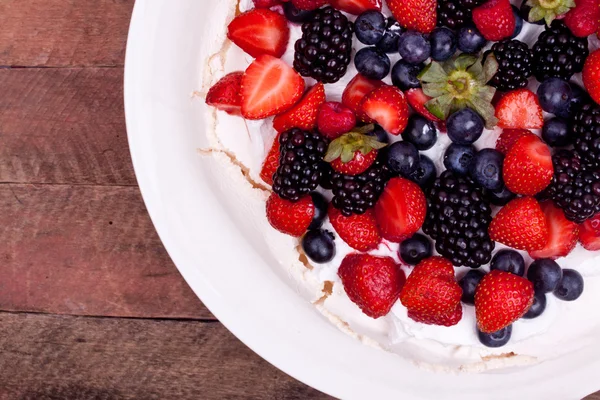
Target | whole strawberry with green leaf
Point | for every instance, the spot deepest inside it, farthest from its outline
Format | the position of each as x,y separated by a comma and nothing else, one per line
354,152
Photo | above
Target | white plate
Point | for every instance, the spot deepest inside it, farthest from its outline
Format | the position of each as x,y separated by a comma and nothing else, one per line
229,267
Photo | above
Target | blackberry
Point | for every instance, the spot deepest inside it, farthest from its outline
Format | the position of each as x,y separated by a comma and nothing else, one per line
585,129
458,218
325,49
575,187
299,171
558,53
455,14
514,65
356,194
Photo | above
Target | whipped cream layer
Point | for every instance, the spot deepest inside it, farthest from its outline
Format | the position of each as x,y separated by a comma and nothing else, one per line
239,147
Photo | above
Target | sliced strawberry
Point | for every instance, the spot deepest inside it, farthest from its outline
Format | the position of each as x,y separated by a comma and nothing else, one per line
495,20
260,31
335,119
266,3
591,75
520,109
355,93
225,94
308,4
387,106
583,19
509,137
304,114
528,166
563,233
269,87
356,7
521,224
271,163
419,15
417,99
589,233
359,231
449,319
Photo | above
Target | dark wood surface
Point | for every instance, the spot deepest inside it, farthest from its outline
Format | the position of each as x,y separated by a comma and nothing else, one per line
91,307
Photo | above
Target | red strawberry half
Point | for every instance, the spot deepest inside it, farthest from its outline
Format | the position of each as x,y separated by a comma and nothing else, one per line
387,106
521,224
271,163
335,119
589,233
372,283
583,19
417,99
519,109
260,31
495,20
509,137
308,4
528,166
225,94
355,93
591,75
290,218
563,233
419,15
266,3
359,231
304,114
356,7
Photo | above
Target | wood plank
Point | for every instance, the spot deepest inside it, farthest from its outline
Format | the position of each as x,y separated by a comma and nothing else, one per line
85,250
54,357
63,126
55,33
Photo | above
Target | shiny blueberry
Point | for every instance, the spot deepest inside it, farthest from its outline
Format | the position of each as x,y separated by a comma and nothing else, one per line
320,210
319,245
570,286
486,169
294,14
469,283
518,22
579,98
414,48
501,197
404,75
495,339
372,63
508,261
470,40
465,126
402,158
554,95
545,274
380,134
538,306
370,27
389,41
556,132
415,249
425,173
421,132
458,158
443,44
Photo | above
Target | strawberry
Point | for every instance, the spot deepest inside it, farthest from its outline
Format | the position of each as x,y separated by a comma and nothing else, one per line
356,7
260,31
528,166
290,218
355,93
520,109
495,19
372,283
335,119
400,210
509,137
417,99
269,87
266,3
449,319
591,75
304,114
271,163
583,19
387,106
354,152
418,15
589,233
563,233
501,298
357,165
225,94
521,224
359,231
308,4
431,291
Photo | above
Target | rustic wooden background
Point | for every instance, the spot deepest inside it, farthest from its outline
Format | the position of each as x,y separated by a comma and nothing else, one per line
91,306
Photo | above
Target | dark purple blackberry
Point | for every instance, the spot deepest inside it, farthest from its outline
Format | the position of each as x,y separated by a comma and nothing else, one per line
299,172
455,14
575,187
558,53
458,218
585,129
356,194
514,65
325,49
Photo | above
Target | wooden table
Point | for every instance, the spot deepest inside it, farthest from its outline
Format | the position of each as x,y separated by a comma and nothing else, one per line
91,306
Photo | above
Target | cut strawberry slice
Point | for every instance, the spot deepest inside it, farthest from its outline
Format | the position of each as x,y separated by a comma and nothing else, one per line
563,233
225,94
520,109
308,4
266,3
260,31
304,114
509,137
269,87
589,233
528,166
355,93
387,106
356,7
271,163
417,99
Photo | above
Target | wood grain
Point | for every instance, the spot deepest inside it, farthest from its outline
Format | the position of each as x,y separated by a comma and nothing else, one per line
86,250
55,33
58,357
63,126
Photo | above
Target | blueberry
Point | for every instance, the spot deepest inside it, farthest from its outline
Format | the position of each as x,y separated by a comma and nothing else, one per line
421,132
579,98
509,261
372,63
570,286
380,134
470,40
319,245
545,274
443,44
294,14
518,23
389,42
554,95
496,339
370,27
524,13
556,132
402,158
414,48
458,157
320,210
404,75
486,169
416,249
425,174
465,126
538,306
501,197
469,283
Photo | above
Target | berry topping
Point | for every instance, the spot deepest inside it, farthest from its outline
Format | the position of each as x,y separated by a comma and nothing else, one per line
303,115
465,126
358,231
356,7
495,19
417,100
563,233
260,31
389,42
419,15
402,158
470,40
425,174
319,245
455,13
405,76
416,249
458,158
356,91
290,218
583,19
266,3
515,65
509,137
545,275
468,284
554,95
591,75
370,27
308,4
225,94
508,261
321,206
387,106
538,307
271,163
414,47
334,119
294,14
495,339
443,44
486,169
528,166
448,319
556,132
546,11
585,129
589,233
372,63
570,287
519,109
521,224
353,153
421,132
